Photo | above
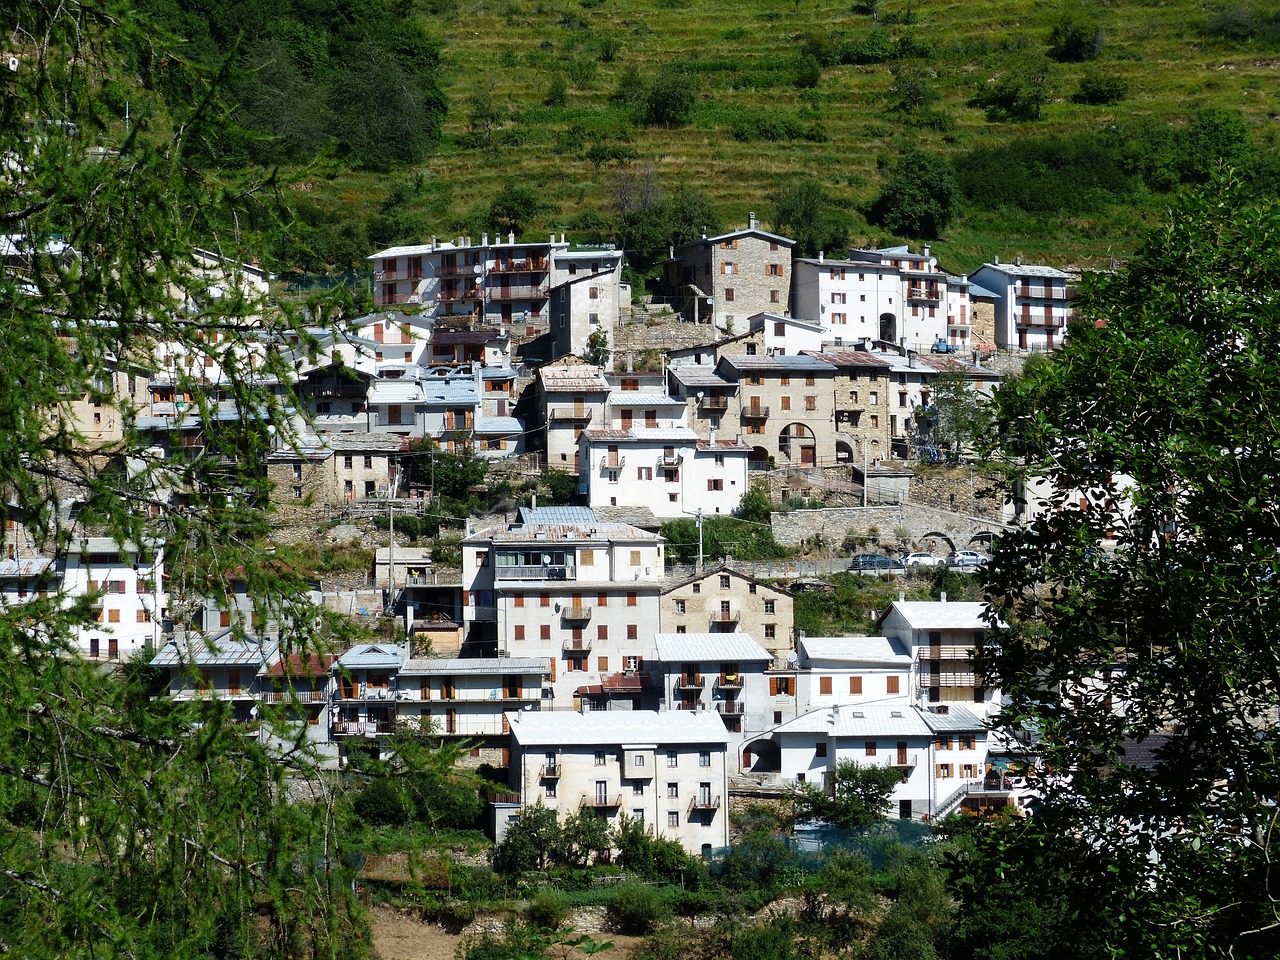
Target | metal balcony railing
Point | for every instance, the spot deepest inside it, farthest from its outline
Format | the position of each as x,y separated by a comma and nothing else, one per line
690,682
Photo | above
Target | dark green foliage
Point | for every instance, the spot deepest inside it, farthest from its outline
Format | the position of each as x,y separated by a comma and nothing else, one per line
1020,92
530,842
721,536
1100,90
1241,24
775,940
444,802
514,208
561,485
808,72
861,796
774,125
1075,38
912,89
449,475
302,76
652,223
918,198
1190,341
557,94
803,210
1069,174
669,99
757,862
581,72
755,505
636,908
381,805
585,838
656,858
548,910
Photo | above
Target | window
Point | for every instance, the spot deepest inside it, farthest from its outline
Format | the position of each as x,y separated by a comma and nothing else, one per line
728,267
773,270
873,397
808,381
602,633
728,295
551,790
855,685
644,473
780,686
587,557
544,600
944,771
630,663
600,758
673,790
544,632
942,743
780,329
632,597
769,606
724,581
839,297
697,588
704,758
770,631
902,398
784,379
891,685
673,757
637,788
517,632
346,463
820,749
811,403
673,818
875,421
680,606
368,463
968,741
824,686
775,296
635,558
786,403
870,748
593,293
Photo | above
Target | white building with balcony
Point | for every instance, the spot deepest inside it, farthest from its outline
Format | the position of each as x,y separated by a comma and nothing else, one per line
213,667
721,673
941,753
1032,303
127,595
851,671
364,703
470,698
941,637
668,770
560,584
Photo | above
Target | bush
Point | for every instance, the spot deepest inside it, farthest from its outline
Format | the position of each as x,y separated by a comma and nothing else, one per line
548,910
380,805
1097,90
808,72
581,72
669,101
637,908
919,197
557,94
1075,39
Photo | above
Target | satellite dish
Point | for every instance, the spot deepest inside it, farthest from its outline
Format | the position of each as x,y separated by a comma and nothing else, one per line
476,269
13,64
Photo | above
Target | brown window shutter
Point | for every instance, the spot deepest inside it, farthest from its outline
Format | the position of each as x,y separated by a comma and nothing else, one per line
773,686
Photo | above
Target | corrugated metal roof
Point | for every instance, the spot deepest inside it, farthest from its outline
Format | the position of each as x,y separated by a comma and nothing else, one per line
861,720
295,666
562,515
860,650
395,391
629,398
1027,270
660,434
720,647
481,666
848,358
367,656
701,375
616,728
955,719
936,615
786,362
220,650
467,337
498,425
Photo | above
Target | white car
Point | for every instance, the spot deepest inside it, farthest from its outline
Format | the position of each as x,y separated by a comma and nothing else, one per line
922,560
966,558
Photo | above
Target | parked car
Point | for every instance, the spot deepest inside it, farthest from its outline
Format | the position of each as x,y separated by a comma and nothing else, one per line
875,561
922,560
966,558
942,346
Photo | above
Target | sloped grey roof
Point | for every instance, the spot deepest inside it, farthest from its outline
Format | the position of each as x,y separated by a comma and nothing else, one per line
721,647
619,728
861,720
220,650
851,650
936,615
366,656
481,666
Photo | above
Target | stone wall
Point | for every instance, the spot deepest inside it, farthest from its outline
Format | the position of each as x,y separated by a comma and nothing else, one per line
958,490
926,527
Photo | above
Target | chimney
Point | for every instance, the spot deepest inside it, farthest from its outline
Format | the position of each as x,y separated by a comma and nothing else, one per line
631,362
911,358
752,222
902,597
942,596
435,243
534,505
820,256
511,236
1017,261
713,438
562,238
925,251
671,253
997,260
484,239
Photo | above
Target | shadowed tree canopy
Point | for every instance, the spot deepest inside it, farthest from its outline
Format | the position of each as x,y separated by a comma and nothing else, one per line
1145,597
128,826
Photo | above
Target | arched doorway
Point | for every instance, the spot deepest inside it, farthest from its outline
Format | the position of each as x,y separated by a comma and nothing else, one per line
935,541
798,444
761,756
889,327
758,459
844,452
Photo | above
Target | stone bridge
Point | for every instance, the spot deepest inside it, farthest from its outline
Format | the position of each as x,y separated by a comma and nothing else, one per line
903,526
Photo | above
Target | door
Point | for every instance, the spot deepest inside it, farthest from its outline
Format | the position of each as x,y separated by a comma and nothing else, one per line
807,456
902,753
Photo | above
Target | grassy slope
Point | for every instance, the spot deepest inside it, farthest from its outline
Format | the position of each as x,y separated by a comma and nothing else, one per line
512,50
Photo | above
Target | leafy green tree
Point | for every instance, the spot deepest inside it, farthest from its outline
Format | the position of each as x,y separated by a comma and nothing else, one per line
803,210
515,208
1075,38
531,841
1020,93
918,198
861,796
1100,90
1156,408
449,475
912,90
669,100
134,827
561,485
598,347
957,416
585,837
755,506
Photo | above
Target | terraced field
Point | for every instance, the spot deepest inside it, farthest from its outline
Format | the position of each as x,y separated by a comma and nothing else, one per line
757,124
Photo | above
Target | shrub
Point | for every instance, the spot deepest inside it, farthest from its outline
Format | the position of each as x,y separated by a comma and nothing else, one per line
1097,90
380,805
808,72
548,910
610,47
636,908
669,101
557,94
1075,39
1019,94
919,197
581,72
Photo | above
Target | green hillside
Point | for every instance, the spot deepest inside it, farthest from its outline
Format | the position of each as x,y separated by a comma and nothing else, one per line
550,95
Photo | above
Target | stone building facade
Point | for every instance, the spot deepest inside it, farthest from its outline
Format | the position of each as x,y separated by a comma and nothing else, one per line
724,600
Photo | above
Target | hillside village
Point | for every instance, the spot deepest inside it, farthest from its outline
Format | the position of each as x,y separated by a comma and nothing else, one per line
569,651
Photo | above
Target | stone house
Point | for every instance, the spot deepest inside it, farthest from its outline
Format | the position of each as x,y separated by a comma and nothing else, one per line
572,395
723,599
724,279
333,470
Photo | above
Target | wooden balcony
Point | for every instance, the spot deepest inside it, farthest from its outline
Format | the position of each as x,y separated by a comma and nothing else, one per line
731,708
576,414
458,295
725,616
755,413
527,265
363,728
729,682
713,403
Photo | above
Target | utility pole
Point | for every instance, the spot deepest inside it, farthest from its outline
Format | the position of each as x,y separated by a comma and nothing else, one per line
699,516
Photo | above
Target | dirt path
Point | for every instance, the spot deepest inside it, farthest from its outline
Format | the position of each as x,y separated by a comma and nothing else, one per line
399,937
